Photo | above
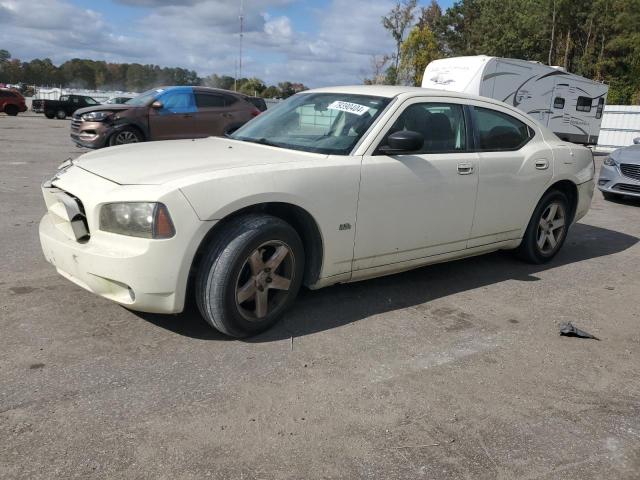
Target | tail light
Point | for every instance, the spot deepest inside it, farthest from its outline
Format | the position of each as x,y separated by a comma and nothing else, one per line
255,112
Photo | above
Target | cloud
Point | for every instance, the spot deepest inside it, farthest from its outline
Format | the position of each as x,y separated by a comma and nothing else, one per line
204,36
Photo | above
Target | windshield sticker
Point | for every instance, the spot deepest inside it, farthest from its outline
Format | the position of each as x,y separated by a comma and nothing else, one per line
349,107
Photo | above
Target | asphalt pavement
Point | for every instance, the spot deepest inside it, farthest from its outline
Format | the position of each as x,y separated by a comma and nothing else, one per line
454,371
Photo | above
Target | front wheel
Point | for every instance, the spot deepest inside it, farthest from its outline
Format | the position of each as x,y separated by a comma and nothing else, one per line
11,110
124,137
547,229
250,275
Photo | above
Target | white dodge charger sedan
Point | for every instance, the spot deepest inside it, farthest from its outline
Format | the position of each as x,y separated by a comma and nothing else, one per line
333,185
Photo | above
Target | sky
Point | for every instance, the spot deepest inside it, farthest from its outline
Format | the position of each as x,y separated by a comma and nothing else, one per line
316,42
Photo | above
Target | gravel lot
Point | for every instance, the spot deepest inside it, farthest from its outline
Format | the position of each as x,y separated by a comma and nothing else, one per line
454,371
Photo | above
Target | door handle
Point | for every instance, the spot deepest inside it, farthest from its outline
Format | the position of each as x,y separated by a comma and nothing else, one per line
227,115
465,168
542,164
187,115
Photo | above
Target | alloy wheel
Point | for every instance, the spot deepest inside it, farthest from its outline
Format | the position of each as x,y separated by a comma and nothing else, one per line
551,228
264,280
125,137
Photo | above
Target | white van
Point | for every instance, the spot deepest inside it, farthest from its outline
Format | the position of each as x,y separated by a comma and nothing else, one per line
569,105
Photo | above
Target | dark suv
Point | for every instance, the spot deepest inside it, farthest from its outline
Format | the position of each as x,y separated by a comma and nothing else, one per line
162,114
11,102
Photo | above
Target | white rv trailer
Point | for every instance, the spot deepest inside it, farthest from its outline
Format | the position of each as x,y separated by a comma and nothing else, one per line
569,105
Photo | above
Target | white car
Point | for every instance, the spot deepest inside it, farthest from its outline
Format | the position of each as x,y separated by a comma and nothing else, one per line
334,185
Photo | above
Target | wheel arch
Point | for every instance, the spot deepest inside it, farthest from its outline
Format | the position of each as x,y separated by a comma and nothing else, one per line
570,189
300,219
132,126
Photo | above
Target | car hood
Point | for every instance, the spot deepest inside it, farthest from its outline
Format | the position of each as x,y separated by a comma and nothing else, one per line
155,163
101,108
630,154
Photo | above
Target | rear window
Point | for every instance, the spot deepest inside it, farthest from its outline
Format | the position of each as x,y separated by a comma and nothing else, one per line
584,104
558,103
499,131
208,100
257,102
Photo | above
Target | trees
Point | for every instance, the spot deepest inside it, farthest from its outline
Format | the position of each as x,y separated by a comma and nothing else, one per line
396,22
84,73
598,39
417,51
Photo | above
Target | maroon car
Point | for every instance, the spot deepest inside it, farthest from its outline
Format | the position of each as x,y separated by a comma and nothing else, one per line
163,114
12,102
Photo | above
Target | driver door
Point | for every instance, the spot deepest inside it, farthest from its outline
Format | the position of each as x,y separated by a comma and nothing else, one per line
177,117
416,205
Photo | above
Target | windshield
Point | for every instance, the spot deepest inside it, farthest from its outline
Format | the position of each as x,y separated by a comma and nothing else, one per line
329,123
145,98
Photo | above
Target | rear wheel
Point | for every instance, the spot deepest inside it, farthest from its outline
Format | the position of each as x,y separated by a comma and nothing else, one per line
11,110
50,115
250,275
61,114
547,229
125,136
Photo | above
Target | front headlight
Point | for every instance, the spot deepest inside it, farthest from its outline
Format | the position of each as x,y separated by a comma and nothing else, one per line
137,219
609,162
95,116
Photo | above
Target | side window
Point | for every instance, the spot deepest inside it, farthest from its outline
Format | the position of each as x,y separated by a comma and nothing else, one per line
4,94
584,104
441,124
177,102
499,131
208,100
230,100
600,108
558,103
64,98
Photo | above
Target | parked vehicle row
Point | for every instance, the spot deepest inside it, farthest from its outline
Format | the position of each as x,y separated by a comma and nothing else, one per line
12,102
162,114
620,173
335,185
63,107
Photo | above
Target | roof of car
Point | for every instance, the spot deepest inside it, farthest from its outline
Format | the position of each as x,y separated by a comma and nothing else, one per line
391,91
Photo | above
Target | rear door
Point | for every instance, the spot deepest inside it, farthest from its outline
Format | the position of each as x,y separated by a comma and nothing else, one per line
515,166
211,114
176,119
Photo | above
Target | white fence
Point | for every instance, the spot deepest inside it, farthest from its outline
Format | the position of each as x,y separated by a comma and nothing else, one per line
98,95
620,125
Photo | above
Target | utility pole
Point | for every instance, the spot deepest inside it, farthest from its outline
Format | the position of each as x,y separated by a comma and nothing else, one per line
241,36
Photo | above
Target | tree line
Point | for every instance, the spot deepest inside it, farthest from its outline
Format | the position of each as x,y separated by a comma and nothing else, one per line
132,77
598,39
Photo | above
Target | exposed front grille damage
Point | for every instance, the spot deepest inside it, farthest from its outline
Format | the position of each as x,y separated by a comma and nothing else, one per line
68,213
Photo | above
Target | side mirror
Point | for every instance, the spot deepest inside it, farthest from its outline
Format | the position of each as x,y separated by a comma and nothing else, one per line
404,141
636,140
157,105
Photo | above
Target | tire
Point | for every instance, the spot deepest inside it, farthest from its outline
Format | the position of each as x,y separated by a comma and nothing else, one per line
50,115
61,114
237,264
11,110
610,196
125,136
544,238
